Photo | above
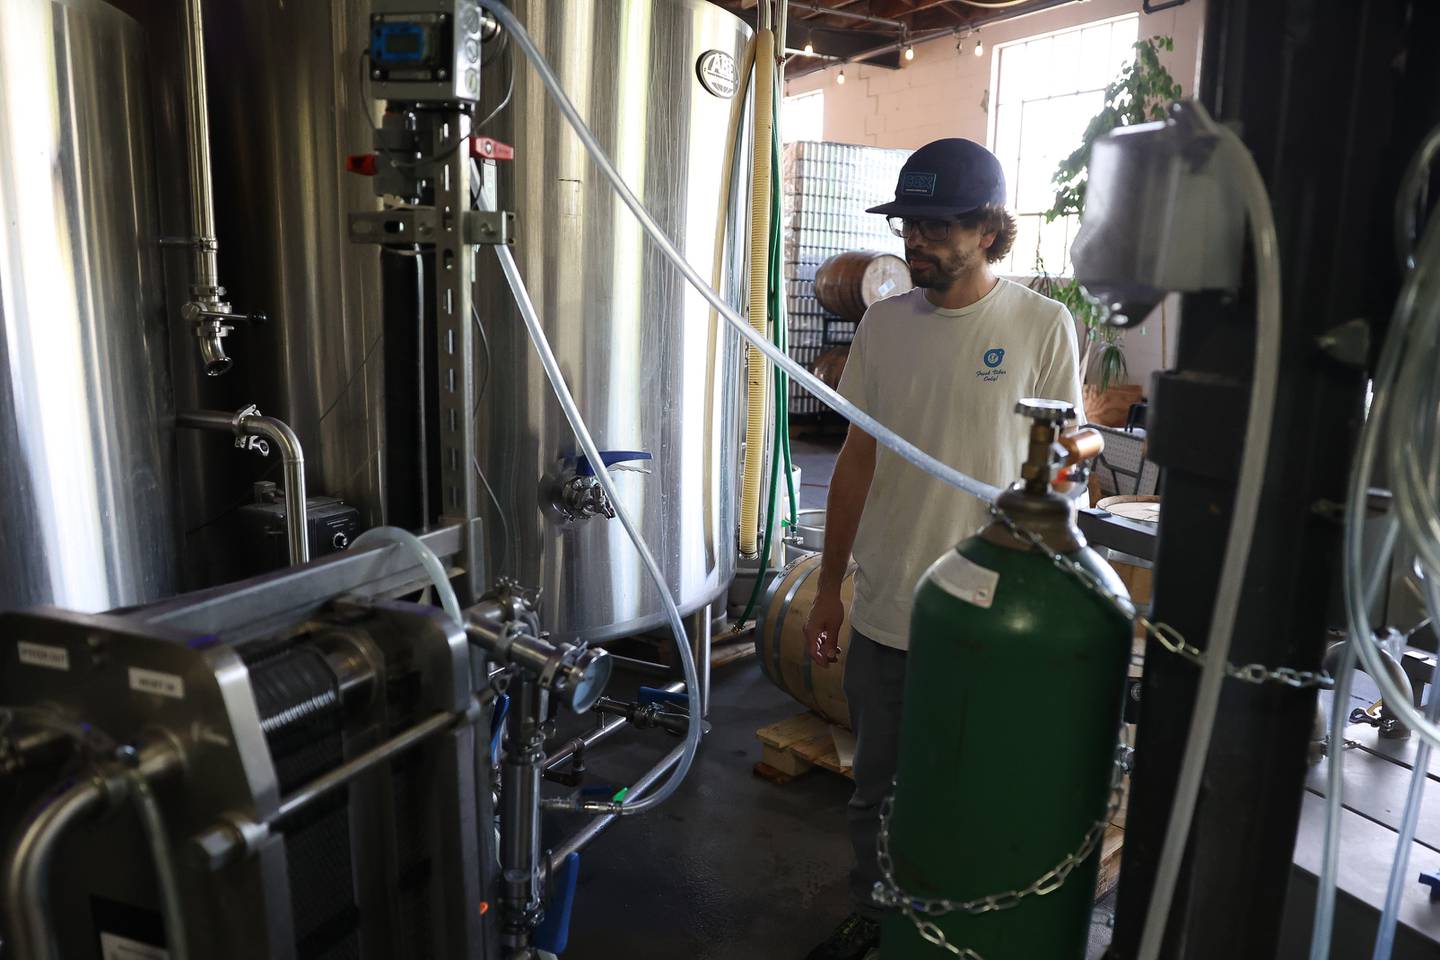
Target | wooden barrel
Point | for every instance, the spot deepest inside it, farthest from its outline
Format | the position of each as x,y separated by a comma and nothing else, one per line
849,282
780,640
830,365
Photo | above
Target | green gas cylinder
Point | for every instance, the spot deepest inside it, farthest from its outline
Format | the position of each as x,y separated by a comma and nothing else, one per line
1013,695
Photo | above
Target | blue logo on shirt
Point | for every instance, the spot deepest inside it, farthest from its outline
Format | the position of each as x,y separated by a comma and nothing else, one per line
994,357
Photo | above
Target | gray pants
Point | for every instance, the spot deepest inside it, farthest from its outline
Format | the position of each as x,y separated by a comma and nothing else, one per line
874,685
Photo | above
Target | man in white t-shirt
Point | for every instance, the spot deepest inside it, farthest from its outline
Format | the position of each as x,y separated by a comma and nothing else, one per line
943,365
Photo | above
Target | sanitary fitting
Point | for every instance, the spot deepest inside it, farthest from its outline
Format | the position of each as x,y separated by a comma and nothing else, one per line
214,320
582,497
507,627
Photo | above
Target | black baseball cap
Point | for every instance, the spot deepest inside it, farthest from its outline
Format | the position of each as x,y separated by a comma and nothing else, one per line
945,179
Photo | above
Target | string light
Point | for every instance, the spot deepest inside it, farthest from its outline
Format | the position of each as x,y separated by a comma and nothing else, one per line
979,45
841,78
910,52
809,47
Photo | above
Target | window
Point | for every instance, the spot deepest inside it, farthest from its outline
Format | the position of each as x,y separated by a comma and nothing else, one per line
1046,90
802,117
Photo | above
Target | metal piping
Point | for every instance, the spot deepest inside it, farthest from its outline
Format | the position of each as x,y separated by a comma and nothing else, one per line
343,774
520,872
698,626
27,871
205,283
158,762
936,34
207,308
602,732
248,422
816,10
597,826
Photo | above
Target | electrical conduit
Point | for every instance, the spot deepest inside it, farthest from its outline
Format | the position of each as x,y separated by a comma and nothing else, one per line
757,370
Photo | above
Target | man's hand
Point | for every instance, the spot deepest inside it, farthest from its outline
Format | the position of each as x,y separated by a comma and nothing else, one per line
822,627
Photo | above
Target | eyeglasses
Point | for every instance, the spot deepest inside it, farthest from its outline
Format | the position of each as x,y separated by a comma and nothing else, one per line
932,230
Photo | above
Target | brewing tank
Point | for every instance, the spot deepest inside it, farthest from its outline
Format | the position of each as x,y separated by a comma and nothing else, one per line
85,401
650,370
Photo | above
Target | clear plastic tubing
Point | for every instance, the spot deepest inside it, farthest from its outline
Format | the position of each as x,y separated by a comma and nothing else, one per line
1237,549
1420,287
602,473
882,434
1400,871
1418,301
427,559
1324,917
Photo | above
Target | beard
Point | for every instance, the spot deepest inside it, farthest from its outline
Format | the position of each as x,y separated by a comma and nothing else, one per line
940,270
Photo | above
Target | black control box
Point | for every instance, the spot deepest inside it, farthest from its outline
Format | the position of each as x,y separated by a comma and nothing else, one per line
262,544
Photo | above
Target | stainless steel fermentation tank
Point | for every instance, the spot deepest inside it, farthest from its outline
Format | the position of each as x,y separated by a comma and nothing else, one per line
288,102
648,369
85,399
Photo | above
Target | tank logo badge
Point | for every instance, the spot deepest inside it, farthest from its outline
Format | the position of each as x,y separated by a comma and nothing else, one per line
994,357
717,73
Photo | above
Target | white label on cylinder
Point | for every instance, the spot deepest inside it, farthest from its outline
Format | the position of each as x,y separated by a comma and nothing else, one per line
961,577
44,655
152,681
885,288
113,947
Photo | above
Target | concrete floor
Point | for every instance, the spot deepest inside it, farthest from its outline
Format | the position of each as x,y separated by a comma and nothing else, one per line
732,867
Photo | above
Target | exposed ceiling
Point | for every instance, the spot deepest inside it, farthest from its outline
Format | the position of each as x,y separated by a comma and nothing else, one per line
870,31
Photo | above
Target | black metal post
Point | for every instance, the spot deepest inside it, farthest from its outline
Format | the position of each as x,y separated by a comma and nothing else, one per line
1324,93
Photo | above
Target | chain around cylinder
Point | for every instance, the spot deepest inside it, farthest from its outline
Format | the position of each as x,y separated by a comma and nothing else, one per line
1166,635
888,892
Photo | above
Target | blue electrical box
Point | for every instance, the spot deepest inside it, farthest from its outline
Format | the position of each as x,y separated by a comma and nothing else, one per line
427,51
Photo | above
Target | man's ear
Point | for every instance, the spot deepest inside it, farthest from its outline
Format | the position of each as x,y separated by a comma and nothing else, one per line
987,240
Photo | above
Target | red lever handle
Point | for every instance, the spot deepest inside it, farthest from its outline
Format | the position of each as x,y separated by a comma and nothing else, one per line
361,163
488,148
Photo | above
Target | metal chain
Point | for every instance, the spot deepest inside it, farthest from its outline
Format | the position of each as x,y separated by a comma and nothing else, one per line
919,910
1166,635
888,892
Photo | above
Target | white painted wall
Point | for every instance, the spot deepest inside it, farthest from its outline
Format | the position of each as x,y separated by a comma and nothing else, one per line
944,94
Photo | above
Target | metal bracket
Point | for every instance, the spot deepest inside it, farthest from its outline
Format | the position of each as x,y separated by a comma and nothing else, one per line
407,225
1347,343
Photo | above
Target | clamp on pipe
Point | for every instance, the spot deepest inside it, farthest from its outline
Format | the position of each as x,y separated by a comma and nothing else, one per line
254,431
507,631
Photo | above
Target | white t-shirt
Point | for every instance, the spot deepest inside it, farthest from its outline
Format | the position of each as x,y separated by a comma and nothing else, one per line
948,381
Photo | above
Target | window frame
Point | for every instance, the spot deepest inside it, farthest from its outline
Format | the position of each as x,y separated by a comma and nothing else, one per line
993,132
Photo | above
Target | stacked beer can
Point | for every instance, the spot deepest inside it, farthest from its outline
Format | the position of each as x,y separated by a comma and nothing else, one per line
826,189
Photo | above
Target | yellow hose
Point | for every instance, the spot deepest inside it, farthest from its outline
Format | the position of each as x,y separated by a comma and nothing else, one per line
757,367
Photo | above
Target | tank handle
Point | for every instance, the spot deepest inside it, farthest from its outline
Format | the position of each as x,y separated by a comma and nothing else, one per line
584,468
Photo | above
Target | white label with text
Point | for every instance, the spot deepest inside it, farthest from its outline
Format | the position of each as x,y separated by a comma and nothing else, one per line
961,577
153,681
43,655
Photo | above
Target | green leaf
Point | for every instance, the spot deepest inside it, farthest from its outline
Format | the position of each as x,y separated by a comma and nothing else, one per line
1141,91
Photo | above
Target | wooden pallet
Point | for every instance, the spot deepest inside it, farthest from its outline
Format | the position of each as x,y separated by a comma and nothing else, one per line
732,646
731,653
1110,847
794,747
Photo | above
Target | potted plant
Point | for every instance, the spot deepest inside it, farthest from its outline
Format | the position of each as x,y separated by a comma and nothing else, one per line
1141,92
